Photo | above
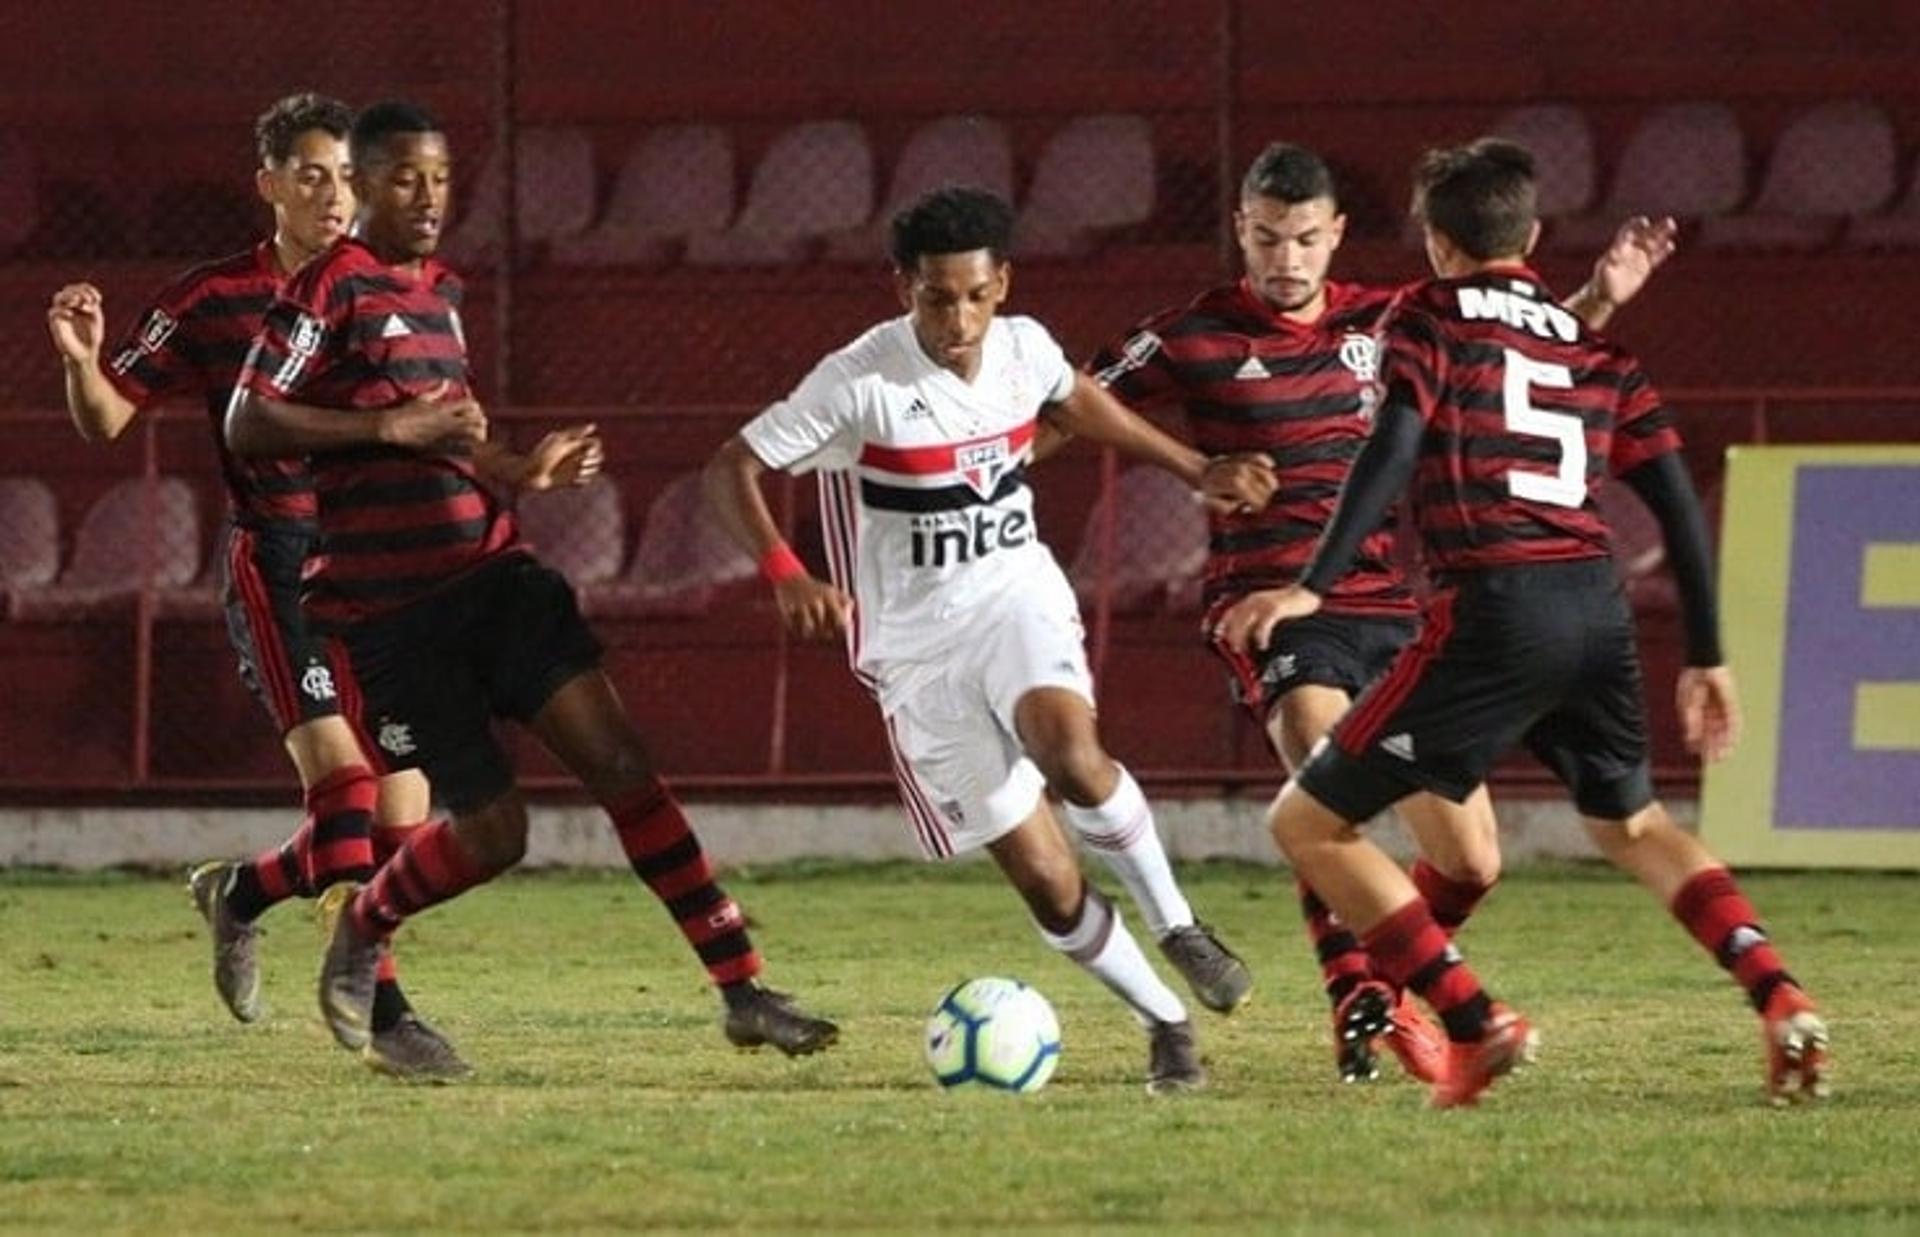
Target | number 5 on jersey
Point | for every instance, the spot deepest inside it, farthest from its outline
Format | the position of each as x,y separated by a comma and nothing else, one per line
1567,486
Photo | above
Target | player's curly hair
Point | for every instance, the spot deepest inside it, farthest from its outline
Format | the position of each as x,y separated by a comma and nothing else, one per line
379,121
956,219
1290,174
1481,196
280,125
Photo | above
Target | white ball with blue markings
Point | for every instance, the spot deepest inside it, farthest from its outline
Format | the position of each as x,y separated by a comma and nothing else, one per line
993,1034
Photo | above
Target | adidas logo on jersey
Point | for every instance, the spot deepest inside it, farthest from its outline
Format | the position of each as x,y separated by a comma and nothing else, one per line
1251,370
916,410
1400,745
395,327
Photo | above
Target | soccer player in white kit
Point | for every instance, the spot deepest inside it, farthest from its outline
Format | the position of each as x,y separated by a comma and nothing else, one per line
957,617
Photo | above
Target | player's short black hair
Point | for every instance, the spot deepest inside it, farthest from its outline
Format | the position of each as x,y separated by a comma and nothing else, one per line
1290,174
277,128
381,121
956,219
1481,196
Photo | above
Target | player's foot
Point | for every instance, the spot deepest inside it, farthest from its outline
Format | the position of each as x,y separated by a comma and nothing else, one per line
1173,1059
1362,1016
236,972
1472,1067
769,1017
1220,981
413,1051
1420,1045
1796,1038
347,976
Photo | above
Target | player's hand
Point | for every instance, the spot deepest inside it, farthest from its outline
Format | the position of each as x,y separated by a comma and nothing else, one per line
812,609
1638,249
1709,711
1238,484
77,320
435,422
1248,624
567,457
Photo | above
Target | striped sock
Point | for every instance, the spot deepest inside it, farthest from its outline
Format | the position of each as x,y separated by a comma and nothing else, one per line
1344,966
429,869
1122,833
341,808
667,856
389,1001
272,876
1410,950
1711,907
1100,942
1451,901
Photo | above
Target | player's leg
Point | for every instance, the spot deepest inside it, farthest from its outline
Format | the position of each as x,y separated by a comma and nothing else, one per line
1077,920
1033,670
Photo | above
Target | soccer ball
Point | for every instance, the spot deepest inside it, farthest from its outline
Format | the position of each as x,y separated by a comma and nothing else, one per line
996,1034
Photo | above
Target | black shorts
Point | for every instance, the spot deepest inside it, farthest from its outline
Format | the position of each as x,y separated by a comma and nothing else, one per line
1543,655
423,684
282,661
1344,651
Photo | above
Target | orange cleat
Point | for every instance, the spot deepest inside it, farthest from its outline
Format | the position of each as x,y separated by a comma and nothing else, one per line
1420,1045
1472,1067
1796,1040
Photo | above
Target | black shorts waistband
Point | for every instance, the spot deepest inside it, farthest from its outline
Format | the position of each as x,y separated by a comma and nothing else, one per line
1570,573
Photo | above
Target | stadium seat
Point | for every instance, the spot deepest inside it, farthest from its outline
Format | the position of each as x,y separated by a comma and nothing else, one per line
1159,544
134,527
29,534
580,532
953,150
1830,163
1687,160
1898,228
682,559
553,171
1562,145
1094,175
815,180
19,190
677,182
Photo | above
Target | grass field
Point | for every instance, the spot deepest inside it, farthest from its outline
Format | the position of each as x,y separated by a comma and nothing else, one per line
606,1098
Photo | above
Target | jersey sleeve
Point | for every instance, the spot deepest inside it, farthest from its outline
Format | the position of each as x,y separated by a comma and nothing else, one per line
1136,368
1411,363
156,358
304,325
1645,429
1044,360
816,426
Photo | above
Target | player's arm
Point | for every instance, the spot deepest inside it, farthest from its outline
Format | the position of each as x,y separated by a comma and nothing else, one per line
568,457
731,482
258,424
1380,474
1622,270
1709,708
1090,411
76,319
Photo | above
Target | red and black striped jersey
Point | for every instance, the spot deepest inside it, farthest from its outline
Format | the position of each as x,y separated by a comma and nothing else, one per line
1527,412
1250,379
352,332
192,340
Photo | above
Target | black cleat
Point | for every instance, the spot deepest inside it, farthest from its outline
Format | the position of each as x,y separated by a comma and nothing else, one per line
1173,1059
769,1017
1363,1016
1219,979
413,1051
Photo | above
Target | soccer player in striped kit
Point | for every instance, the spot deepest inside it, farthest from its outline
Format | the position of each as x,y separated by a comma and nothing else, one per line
1507,417
189,341
1281,362
956,615
440,619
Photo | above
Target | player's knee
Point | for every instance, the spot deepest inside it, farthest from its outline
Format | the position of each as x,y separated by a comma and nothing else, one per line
1078,770
496,836
618,770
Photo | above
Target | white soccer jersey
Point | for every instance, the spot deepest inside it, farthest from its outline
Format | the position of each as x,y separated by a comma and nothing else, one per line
923,488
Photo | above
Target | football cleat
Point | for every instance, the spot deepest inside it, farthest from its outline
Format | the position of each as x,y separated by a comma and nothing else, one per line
1472,1067
413,1051
1796,1039
1417,1042
1362,1016
236,972
769,1017
347,978
1219,979
1173,1059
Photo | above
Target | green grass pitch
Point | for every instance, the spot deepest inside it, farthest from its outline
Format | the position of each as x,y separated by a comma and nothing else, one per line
606,1098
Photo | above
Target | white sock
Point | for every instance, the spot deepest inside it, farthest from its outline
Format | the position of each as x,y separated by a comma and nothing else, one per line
1121,832
1102,944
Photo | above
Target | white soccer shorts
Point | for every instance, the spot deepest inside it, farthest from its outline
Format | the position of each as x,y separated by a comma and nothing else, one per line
962,774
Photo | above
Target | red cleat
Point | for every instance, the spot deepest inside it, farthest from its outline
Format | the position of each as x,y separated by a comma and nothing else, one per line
1419,1044
1472,1067
1796,1040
